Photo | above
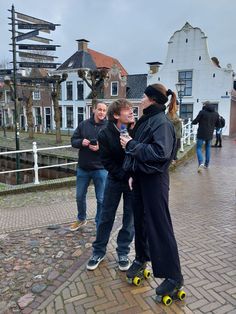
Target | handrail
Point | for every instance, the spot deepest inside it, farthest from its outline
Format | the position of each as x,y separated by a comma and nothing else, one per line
188,133
36,168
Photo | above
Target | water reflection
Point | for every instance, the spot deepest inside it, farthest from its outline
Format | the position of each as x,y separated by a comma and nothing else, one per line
28,176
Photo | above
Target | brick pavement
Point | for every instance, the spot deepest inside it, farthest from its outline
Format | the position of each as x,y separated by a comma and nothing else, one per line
203,212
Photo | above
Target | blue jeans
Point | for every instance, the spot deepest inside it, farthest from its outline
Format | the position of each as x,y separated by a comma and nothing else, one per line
207,151
112,195
82,182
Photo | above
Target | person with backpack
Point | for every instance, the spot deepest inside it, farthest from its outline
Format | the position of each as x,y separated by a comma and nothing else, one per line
207,120
219,129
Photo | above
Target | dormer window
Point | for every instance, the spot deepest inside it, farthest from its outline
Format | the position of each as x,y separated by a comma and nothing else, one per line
114,88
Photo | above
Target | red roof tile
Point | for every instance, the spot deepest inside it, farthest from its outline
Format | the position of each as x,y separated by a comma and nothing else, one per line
102,60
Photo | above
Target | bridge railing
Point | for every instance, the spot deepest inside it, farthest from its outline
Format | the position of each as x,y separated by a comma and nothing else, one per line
189,133
36,167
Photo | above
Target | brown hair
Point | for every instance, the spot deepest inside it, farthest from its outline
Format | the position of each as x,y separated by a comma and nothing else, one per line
115,108
173,101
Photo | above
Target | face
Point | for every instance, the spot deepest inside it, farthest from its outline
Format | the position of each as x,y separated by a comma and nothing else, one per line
126,116
100,112
146,102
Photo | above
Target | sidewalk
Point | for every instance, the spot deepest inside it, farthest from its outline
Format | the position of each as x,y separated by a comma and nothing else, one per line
43,270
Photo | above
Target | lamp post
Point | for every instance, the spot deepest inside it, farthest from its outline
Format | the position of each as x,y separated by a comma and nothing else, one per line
180,87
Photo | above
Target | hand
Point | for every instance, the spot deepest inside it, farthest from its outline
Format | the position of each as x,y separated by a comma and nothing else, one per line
124,140
130,181
94,148
85,142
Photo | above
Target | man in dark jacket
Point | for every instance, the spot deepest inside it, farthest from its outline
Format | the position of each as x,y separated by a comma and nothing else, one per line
89,164
207,120
112,155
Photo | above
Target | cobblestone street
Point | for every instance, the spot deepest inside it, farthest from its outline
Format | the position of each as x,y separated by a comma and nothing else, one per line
43,265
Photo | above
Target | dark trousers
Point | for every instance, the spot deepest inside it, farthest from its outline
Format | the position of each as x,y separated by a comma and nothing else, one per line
112,196
154,235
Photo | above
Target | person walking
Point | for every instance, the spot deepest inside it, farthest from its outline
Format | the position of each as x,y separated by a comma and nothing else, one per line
90,166
172,115
207,120
120,115
148,156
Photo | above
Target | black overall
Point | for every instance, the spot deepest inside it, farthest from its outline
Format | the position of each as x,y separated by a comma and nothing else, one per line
148,157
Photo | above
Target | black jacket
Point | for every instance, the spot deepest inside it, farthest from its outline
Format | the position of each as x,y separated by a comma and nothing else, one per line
152,148
207,120
88,159
111,153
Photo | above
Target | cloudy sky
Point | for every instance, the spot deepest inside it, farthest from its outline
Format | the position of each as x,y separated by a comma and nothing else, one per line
133,31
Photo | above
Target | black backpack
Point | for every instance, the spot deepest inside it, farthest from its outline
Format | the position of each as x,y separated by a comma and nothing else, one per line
221,122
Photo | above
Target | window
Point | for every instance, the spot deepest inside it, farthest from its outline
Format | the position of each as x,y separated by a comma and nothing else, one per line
69,92
80,90
187,77
186,111
80,114
38,119
69,117
36,95
60,109
48,118
59,92
114,88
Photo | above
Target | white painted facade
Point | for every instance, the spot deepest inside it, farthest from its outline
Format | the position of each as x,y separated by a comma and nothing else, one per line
188,51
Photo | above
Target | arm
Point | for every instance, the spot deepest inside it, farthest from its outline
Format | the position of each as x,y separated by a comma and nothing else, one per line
107,159
76,139
197,119
159,150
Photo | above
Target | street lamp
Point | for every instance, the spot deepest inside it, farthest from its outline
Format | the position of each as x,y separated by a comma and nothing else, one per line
180,87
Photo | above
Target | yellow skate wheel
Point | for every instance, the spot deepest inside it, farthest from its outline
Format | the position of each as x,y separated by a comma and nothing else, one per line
181,295
136,281
167,300
146,273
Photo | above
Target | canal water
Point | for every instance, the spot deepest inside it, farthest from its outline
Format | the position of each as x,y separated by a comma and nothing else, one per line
28,176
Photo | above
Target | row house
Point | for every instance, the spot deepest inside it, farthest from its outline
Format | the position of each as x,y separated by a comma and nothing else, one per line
75,96
188,60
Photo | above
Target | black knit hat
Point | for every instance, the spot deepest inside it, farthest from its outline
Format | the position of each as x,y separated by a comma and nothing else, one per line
155,94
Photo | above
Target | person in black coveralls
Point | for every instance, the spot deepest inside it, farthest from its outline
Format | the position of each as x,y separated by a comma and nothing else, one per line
148,156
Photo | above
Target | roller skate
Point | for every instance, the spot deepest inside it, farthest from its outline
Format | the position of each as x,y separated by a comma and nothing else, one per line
137,272
170,290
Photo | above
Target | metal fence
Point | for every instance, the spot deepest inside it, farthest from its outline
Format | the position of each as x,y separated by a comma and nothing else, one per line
188,135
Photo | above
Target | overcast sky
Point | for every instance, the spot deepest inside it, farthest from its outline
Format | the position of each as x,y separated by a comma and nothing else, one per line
133,31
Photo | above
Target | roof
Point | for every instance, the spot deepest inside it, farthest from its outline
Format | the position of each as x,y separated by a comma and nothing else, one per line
105,61
91,59
80,59
136,85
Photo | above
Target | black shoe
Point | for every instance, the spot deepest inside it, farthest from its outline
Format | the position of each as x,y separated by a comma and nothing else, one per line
123,262
135,269
219,145
94,261
169,286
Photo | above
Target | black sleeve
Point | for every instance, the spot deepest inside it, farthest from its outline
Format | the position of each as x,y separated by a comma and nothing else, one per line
77,139
107,159
197,119
158,151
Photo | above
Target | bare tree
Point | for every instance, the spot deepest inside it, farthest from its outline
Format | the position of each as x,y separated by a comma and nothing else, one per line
28,99
94,79
55,99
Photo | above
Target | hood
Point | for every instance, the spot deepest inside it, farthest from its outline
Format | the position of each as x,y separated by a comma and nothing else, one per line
209,107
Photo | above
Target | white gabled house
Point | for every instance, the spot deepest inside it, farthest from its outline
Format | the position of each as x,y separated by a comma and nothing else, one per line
188,60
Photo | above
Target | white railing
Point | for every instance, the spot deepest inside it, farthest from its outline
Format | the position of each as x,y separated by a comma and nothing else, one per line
188,134
36,168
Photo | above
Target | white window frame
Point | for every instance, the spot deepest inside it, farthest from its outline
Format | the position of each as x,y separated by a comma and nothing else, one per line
36,95
112,83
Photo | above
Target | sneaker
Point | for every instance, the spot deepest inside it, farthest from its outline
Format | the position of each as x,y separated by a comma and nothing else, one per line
94,261
200,168
76,225
124,263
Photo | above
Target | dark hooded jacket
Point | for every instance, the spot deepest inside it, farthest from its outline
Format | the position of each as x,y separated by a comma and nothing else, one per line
111,153
153,144
89,129
207,120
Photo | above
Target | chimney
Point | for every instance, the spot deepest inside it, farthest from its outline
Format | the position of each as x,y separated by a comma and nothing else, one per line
154,67
82,44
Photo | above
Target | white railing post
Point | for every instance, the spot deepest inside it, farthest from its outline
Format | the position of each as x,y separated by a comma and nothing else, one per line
189,131
194,134
36,169
182,138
